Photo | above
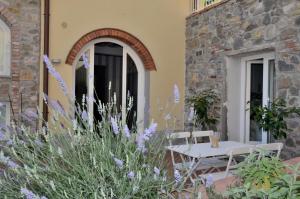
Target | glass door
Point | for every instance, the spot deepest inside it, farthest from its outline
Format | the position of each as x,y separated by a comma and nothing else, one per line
260,78
114,72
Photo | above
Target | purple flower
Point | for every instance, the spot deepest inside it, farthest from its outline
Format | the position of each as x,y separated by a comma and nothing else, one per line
153,127
150,131
156,171
143,137
32,114
176,94
114,125
85,61
38,142
6,160
140,140
84,116
119,163
56,75
12,164
2,136
131,175
56,105
126,131
30,195
209,181
177,176
9,142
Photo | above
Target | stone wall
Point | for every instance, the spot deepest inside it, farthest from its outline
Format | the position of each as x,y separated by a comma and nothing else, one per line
238,26
23,18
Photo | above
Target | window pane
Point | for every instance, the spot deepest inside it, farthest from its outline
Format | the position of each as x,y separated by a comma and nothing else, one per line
272,80
132,89
81,81
256,94
108,71
5,49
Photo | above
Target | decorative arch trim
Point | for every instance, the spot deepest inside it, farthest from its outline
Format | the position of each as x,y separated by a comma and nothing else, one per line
121,35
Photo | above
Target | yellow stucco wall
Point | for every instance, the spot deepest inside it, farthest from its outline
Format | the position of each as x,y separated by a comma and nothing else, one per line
159,24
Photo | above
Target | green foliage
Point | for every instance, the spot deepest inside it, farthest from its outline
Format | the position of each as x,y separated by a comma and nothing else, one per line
266,178
287,186
204,105
272,118
261,172
211,193
75,160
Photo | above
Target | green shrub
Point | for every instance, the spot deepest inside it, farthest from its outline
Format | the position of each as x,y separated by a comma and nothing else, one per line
273,118
261,172
73,157
85,162
266,178
204,105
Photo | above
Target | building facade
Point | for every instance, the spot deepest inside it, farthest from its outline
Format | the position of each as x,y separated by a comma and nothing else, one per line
19,58
137,45
246,50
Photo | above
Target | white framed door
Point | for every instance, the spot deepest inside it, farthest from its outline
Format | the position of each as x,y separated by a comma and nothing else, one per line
122,70
258,90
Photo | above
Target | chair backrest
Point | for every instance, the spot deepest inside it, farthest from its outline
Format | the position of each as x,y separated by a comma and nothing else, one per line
236,152
179,135
200,134
270,147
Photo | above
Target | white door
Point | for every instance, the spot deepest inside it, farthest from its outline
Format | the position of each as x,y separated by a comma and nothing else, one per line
259,91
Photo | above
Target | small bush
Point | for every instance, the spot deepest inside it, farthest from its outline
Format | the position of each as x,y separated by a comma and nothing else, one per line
266,178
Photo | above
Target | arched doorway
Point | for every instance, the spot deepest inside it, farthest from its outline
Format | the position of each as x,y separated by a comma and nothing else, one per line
114,69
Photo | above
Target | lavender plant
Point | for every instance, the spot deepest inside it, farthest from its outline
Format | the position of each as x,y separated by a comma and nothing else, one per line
72,157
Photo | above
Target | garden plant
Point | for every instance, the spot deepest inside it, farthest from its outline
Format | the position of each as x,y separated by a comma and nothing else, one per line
74,156
266,177
204,105
272,118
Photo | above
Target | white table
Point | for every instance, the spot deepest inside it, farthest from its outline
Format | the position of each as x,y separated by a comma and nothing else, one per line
204,150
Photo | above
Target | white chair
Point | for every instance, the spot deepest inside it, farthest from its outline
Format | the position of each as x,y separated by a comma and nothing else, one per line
186,163
200,134
270,148
214,162
231,165
175,136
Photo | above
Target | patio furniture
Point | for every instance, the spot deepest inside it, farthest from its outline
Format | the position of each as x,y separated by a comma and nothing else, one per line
215,162
199,152
200,134
231,165
175,136
270,148
186,163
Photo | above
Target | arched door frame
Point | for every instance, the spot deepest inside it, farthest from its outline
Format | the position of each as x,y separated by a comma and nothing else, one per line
141,77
